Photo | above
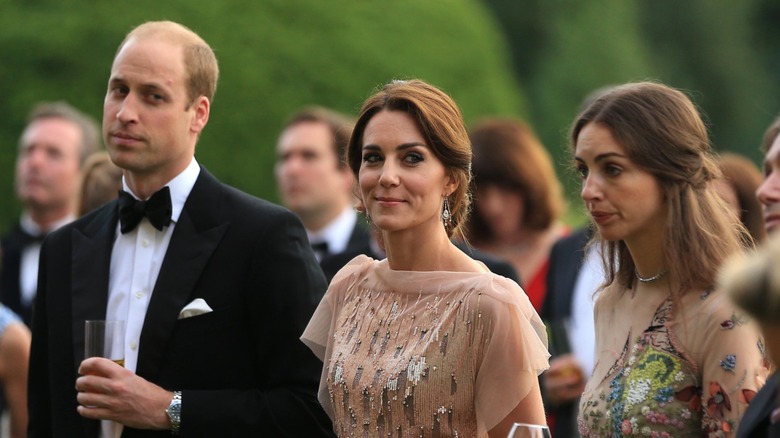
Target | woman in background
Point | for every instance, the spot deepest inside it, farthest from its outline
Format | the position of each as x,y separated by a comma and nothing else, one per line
517,201
673,355
101,181
427,342
741,179
14,361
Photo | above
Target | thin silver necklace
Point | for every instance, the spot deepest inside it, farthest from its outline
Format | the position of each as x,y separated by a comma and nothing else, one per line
649,279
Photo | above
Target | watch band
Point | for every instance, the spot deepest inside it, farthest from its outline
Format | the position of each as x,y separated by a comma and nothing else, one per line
174,413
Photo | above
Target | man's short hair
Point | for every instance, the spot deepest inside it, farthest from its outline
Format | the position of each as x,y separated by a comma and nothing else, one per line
770,135
90,132
200,62
340,126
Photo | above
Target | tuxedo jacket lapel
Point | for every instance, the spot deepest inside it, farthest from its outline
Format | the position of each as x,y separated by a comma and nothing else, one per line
11,265
195,236
91,262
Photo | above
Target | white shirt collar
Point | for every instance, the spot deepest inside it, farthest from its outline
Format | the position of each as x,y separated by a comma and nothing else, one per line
180,186
28,225
338,232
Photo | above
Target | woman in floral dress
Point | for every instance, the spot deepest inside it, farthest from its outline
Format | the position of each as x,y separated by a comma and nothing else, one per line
427,342
674,357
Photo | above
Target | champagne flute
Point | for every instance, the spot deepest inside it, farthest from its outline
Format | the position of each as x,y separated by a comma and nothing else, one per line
105,339
524,430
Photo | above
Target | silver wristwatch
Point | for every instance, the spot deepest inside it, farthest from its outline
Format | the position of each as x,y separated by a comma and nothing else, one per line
174,412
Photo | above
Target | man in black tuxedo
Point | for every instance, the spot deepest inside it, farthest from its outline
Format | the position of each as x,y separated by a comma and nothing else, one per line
52,148
215,286
316,184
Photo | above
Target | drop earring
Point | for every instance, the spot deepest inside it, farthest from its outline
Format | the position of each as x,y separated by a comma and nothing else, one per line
446,214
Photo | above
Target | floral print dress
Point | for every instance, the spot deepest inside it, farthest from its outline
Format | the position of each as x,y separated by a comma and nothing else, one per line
678,373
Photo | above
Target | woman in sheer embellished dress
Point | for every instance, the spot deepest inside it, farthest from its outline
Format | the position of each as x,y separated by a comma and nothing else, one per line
427,342
674,357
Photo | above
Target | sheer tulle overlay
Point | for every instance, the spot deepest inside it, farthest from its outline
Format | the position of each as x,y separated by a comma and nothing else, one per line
435,353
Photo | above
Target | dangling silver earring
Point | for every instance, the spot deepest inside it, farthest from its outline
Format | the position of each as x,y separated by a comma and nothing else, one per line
446,214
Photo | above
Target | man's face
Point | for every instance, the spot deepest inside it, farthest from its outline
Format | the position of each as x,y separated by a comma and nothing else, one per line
307,172
769,191
47,168
148,126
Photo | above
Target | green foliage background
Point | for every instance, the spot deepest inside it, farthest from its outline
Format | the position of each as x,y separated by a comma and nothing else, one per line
534,59
724,54
275,56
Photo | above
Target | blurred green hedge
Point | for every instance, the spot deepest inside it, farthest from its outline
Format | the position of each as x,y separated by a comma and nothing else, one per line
724,54
275,56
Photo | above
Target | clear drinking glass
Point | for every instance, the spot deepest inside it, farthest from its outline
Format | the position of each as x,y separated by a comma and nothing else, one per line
105,339
524,430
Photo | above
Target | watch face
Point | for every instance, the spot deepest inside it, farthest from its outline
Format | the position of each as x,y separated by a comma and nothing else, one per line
174,410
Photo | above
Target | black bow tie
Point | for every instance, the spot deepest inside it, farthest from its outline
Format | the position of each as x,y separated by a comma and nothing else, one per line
29,239
157,208
320,248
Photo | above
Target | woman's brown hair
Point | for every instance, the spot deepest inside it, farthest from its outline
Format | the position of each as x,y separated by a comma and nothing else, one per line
663,133
441,123
508,153
744,177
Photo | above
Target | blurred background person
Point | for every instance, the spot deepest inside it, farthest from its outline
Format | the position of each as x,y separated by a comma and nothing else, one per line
459,348
55,143
101,181
753,282
673,356
741,179
769,191
14,361
315,182
574,276
517,201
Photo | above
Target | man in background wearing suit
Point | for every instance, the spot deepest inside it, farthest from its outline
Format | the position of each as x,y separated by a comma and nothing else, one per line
54,145
215,286
574,276
316,184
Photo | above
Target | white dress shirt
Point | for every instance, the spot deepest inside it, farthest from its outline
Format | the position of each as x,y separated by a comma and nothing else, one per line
336,233
28,268
580,327
136,258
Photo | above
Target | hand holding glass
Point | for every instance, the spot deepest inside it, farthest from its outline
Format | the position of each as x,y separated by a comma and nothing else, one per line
523,430
105,339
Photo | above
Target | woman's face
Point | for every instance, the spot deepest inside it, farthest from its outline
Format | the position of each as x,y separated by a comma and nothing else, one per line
501,208
624,200
401,181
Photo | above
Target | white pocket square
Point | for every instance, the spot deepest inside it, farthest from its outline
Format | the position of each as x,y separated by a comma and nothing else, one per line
197,307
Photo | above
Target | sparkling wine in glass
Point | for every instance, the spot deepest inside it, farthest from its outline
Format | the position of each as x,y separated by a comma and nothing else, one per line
524,430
